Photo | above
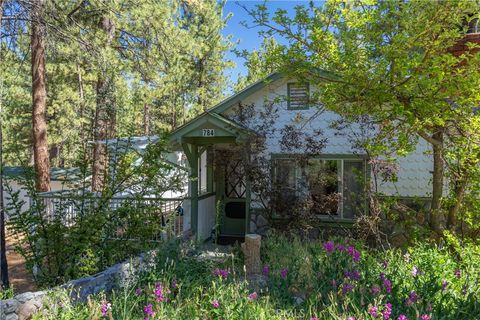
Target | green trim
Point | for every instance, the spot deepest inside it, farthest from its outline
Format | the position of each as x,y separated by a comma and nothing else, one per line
330,156
248,91
194,189
307,106
205,195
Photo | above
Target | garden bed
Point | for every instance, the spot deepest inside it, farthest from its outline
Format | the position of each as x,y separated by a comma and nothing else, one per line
314,280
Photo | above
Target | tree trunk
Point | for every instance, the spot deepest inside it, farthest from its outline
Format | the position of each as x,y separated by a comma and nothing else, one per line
4,281
460,190
437,180
251,250
39,97
81,111
146,119
104,114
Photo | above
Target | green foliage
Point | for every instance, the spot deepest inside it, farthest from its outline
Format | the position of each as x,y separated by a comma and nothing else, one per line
75,233
424,280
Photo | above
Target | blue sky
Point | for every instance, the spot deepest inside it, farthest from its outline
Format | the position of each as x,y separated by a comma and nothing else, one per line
249,38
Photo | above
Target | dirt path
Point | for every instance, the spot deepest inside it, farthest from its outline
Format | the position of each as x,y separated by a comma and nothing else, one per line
17,272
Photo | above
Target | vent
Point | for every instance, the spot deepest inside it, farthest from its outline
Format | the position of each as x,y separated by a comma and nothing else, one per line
298,95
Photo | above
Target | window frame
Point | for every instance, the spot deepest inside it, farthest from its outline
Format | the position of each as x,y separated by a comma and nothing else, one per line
307,104
341,158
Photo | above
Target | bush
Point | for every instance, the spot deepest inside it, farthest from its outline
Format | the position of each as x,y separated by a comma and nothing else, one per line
315,280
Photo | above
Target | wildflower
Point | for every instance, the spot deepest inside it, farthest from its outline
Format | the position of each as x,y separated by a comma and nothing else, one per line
373,311
340,247
215,304
104,308
387,285
329,246
355,274
266,269
284,273
429,307
253,296
159,292
314,318
351,318
387,311
347,287
402,317
375,290
382,276
415,271
353,253
412,298
334,283
174,283
385,264
425,317
138,291
148,311
458,273
464,289
444,285
221,273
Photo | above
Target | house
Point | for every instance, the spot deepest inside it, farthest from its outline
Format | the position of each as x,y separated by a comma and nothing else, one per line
15,181
217,143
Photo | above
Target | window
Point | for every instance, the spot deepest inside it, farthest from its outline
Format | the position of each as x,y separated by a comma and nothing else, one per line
325,187
205,171
298,95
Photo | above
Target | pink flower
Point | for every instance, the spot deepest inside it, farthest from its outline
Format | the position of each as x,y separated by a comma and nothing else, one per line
387,311
402,317
159,293
373,311
314,318
415,271
148,311
425,317
387,284
138,291
351,318
253,296
222,273
104,308
215,304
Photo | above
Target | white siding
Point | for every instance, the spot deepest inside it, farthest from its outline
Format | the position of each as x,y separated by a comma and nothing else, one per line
206,217
414,177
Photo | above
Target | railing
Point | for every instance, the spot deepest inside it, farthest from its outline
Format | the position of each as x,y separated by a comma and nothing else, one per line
165,214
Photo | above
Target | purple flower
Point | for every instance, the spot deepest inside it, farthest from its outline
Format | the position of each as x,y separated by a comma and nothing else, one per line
148,311
375,290
329,246
253,296
444,285
215,304
104,308
464,289
266,270
458,273
412,298
347,287
138,291
385,264
334,283
402,317
425,317
373,311
340,247
382,276
352,252
387,285
222,273
174,283
351,318
387,311
355,274
284,273
415,271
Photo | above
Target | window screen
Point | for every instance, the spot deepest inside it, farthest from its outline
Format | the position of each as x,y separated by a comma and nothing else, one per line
298,95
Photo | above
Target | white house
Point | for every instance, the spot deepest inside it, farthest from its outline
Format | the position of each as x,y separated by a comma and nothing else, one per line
216,146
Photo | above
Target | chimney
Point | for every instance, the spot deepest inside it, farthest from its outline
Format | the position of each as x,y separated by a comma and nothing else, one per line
472,35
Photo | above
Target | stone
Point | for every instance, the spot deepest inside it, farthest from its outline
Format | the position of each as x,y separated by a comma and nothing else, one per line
24,297
261,221
11,316
27,310
10,305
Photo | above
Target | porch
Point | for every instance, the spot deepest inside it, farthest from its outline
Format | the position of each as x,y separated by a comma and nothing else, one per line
219,188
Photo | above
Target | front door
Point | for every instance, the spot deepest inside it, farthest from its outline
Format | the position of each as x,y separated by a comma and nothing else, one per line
234,195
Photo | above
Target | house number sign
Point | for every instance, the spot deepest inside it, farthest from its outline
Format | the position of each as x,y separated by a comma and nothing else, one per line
208,132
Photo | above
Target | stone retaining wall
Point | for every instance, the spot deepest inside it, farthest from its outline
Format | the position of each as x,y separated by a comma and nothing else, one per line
22,306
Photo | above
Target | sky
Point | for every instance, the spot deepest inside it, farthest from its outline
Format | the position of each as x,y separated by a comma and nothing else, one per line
248,37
